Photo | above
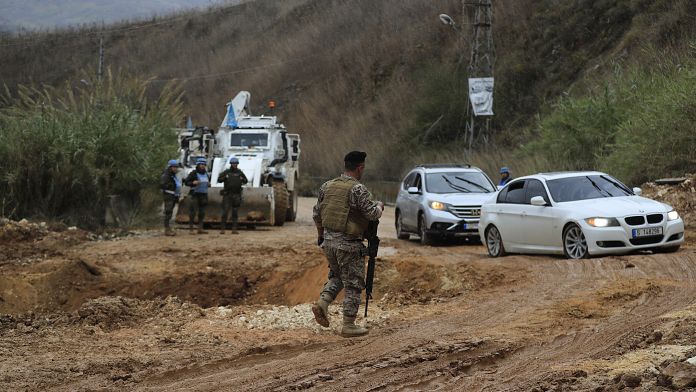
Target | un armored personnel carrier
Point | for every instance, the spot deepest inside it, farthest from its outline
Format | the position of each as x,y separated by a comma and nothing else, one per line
268,155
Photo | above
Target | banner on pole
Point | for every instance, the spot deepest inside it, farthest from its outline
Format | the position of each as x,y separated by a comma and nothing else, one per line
481,96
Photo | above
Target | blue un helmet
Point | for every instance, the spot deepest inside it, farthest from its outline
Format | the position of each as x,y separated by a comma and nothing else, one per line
173,162
201,161
504,170
234,161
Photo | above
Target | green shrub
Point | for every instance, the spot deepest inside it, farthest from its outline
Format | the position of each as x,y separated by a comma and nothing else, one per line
640,127
64,151
580,132
658,138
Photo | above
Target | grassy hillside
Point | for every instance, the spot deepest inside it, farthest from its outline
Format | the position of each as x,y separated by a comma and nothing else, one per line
374,75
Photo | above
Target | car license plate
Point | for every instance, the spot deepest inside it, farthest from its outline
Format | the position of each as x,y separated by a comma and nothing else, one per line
647,231
471,226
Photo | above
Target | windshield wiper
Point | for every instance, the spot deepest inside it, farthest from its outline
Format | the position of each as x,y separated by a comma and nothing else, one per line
473,183
455,187
598,188
618,185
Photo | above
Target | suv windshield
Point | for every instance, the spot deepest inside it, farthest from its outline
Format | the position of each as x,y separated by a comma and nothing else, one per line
248,139
458,182
586,187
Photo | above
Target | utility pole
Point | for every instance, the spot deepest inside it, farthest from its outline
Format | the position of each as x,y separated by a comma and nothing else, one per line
481,62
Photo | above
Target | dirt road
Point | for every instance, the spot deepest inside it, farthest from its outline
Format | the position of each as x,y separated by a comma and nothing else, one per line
220,313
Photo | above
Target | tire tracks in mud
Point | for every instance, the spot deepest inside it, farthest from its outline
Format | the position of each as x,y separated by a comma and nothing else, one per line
501,338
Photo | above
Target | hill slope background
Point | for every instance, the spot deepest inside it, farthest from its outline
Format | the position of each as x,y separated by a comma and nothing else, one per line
48,15
375,75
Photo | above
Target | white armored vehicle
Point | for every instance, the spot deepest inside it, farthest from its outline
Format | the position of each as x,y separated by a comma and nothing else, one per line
268,155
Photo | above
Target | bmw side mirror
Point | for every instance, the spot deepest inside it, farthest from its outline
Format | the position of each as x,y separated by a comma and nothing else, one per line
637,191
538,201
413,190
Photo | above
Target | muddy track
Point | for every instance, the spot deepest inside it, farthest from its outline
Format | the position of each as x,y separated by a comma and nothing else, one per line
493,340
444,318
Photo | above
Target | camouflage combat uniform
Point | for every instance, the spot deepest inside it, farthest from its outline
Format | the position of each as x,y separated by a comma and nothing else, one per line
346,252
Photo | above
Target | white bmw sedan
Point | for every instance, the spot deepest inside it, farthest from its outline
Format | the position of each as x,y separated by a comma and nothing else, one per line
577,214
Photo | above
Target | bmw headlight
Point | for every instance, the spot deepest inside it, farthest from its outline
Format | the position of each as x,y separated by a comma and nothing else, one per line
602,222
436,205
673,215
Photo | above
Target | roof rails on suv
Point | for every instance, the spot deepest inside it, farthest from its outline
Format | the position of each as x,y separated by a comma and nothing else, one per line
444,165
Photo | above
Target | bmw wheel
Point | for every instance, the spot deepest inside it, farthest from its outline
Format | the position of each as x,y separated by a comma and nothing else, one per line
425,238
494,242
574,243
400,229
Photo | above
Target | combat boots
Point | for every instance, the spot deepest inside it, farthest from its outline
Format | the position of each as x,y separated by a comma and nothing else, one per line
234,230
350,329
321,310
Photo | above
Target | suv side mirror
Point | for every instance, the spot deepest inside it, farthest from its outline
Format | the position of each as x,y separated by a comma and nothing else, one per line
637,191
413,190
538,201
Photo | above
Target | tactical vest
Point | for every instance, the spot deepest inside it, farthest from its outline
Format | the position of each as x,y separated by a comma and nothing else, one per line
233,182
335,211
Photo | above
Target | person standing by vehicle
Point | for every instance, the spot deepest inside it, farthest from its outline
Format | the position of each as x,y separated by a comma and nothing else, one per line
504,176
233,180
341,215
171,191
199,181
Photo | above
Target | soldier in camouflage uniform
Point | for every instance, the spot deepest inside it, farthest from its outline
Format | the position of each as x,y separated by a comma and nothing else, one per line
341,215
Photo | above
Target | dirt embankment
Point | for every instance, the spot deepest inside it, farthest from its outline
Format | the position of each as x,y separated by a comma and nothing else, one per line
681,196
231,312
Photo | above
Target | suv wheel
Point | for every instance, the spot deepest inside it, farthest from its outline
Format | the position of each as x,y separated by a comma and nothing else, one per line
494,242
425,238
400,228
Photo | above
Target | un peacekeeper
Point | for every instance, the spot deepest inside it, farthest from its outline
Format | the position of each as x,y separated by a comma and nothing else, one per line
504,176
199,181
341,215
171,191
233,179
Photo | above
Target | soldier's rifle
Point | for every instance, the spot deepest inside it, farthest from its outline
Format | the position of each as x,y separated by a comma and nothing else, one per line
372,248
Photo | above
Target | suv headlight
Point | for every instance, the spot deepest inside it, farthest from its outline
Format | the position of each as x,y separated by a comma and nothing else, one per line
436,205
602,222
673,215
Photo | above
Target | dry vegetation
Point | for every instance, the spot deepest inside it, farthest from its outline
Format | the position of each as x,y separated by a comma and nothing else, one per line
365,74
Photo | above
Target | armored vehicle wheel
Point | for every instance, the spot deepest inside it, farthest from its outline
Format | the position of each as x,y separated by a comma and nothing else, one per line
280,195
292,207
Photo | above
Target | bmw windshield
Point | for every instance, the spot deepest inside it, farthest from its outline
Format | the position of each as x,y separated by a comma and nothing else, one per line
586,187
458,182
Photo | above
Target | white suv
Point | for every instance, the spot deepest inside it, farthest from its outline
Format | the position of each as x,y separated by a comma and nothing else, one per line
442,201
